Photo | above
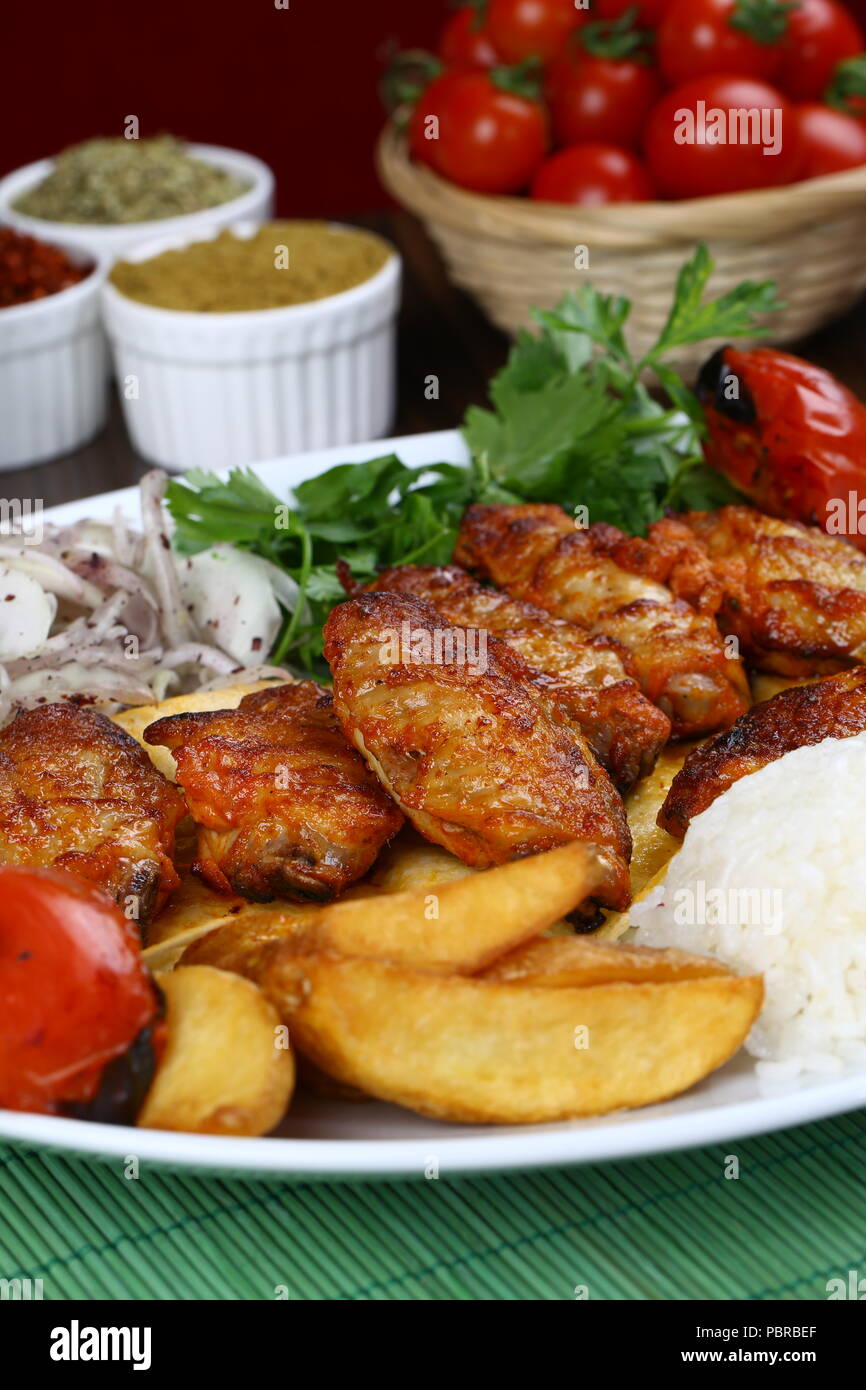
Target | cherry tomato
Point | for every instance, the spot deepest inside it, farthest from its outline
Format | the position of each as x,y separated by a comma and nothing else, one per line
599,99
465,42
820,34
473,132
74,994
829,140
696,38
793,438
697,144
592,174
531,28
649,12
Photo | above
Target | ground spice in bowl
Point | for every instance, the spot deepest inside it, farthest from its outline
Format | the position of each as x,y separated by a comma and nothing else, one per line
115,181
29,269
281,264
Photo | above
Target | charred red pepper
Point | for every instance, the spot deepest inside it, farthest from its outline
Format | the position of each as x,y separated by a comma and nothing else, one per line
789,436
81,1027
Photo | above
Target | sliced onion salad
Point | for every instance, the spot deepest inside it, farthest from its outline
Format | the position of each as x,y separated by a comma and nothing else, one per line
109,615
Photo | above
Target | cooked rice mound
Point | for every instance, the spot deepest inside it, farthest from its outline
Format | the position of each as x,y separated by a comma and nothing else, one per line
772,878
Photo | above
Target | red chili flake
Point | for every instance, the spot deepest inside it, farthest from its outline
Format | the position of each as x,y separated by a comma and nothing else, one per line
29,269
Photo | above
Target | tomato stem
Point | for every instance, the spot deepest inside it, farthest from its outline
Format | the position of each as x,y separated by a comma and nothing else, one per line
849,82
616,38
765,21
408,75
521,80
479,18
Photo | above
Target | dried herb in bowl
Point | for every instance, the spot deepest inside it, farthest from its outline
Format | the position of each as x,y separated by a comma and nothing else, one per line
115,181
283,263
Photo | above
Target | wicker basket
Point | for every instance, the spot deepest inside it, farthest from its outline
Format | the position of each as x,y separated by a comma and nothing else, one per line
513,253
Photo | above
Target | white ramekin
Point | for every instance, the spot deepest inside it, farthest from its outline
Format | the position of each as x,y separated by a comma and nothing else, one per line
217,390
256,204
53,370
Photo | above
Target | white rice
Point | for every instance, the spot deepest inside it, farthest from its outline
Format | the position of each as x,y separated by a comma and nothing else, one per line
771,878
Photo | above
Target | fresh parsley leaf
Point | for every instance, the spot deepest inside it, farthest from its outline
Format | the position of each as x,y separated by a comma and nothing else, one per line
596,318
571,420
732,315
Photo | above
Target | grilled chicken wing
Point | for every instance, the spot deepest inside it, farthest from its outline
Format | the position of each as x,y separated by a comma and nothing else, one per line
78,793
831,708
452,726
586,676
284,807
793,596
610,584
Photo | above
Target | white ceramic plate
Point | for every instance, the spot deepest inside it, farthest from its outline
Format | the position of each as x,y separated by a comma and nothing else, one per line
343,1140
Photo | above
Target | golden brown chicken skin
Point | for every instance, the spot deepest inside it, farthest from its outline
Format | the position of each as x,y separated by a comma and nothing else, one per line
449,720
78,793
794,597
834,707
284,807
608,583
585,675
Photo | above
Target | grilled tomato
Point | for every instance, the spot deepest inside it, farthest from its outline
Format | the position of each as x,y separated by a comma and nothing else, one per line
788,435
81,1025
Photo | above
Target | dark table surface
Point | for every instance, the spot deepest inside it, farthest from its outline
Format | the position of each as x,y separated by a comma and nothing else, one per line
441,332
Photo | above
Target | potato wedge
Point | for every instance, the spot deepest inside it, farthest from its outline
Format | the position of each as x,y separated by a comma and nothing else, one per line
411,863
195,912
223,1071
580,961
136,720
461,926
484,1052
456,927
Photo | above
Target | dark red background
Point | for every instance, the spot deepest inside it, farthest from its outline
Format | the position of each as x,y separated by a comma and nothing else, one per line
296,87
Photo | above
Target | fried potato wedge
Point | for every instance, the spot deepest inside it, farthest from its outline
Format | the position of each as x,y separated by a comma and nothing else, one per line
455,927
461,926
224,1071
580,961
136,720
195,911
485,1052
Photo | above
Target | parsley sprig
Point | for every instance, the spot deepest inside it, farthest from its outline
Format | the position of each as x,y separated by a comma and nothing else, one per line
571,420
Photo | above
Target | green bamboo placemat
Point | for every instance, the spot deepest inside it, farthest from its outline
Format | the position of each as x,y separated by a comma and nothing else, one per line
673,1227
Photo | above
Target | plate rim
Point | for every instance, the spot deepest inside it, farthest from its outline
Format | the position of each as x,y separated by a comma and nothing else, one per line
503,1148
